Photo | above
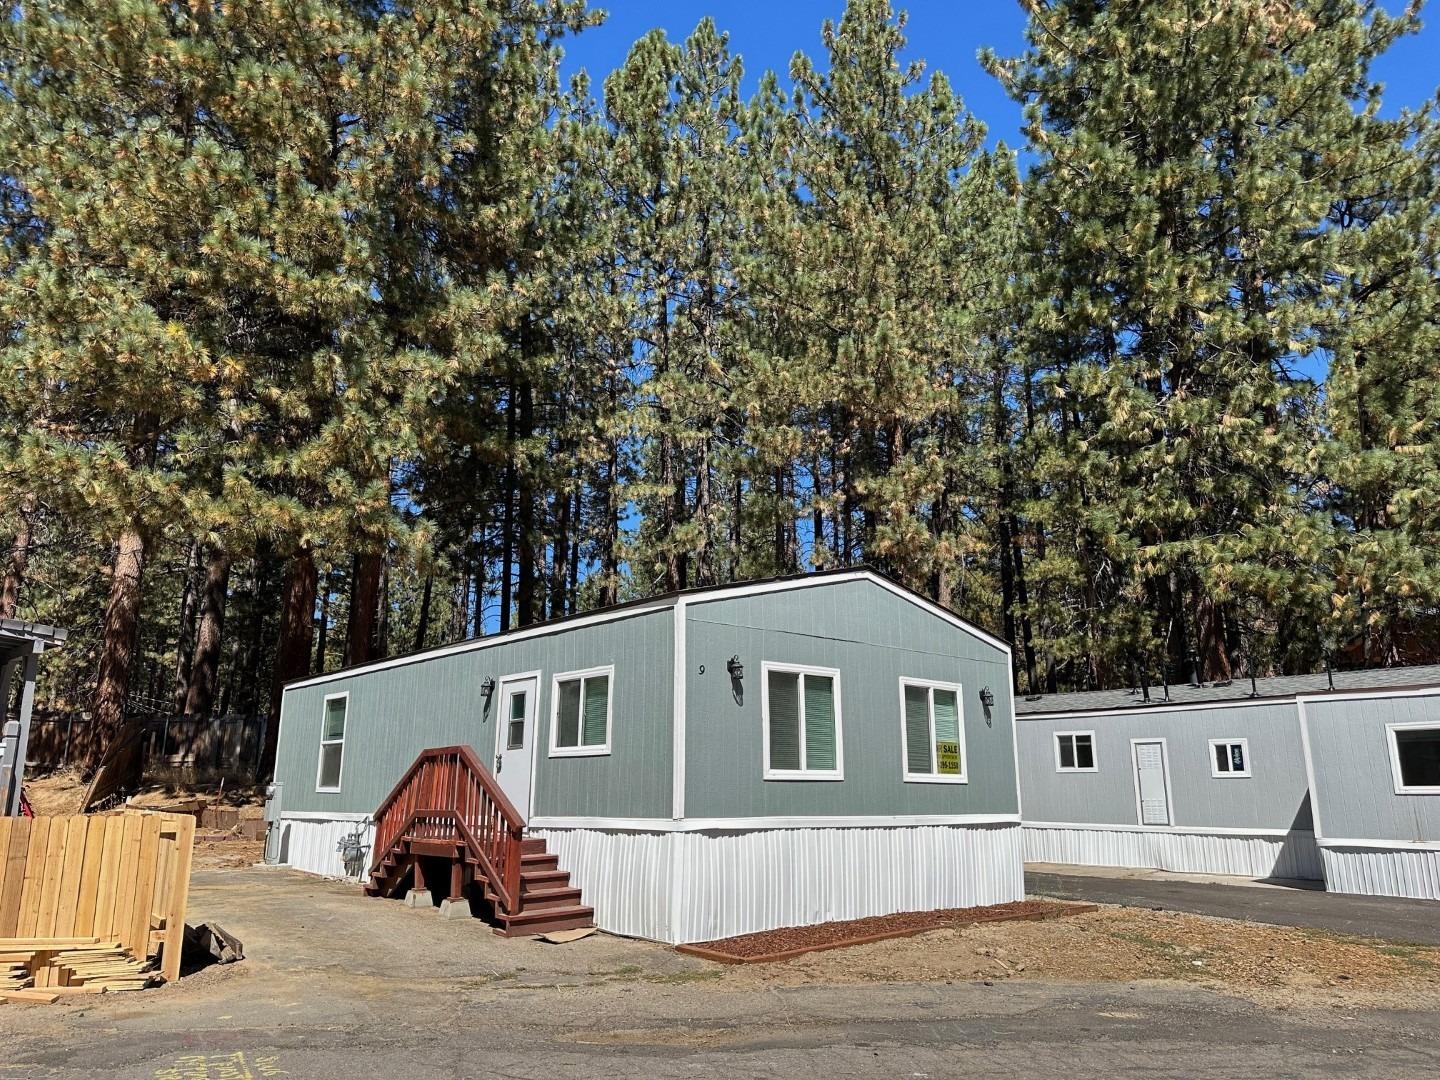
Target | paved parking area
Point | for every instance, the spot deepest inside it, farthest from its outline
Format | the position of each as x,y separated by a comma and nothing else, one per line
1410,921
336,987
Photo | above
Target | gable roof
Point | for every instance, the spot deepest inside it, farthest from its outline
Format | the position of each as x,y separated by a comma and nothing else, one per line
656,603
1234,691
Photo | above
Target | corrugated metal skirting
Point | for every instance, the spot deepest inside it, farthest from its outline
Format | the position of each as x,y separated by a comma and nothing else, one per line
726,883
1382,871
1291,856
314,846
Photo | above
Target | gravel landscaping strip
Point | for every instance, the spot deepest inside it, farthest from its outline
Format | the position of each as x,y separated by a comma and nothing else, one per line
768,946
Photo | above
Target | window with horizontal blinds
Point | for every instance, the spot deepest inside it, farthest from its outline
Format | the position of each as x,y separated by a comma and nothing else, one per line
819,723
784,696
582,712
934,732
917,730
802,721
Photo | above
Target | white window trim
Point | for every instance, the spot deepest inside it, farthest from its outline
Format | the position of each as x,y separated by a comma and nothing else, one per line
932,777
556,750
1401,788
340,742
838,773
1215,770
1056,736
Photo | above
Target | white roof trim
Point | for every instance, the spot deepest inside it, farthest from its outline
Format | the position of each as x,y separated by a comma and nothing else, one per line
1362,695
679,601
1155,707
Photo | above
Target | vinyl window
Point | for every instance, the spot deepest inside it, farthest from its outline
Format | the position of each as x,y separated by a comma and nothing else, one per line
1415,758
801,709
580,721
1229,758
934,732
1075,751
332,742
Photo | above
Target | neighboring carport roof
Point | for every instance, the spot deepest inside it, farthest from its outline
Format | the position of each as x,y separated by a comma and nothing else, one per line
19,638
1234,690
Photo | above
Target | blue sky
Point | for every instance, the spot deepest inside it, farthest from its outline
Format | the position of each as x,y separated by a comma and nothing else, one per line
944,33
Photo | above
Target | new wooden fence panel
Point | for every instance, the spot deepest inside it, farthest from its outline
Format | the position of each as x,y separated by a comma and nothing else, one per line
121,877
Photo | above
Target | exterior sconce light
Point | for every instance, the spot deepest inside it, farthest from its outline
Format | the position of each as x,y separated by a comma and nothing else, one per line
487,687
735,668
987,697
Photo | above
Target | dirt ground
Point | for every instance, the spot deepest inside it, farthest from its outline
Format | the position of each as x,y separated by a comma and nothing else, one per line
226,851
1270,965
56,794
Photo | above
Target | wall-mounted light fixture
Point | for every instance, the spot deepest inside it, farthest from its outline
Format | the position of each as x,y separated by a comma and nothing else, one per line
487,687
987,699
735,667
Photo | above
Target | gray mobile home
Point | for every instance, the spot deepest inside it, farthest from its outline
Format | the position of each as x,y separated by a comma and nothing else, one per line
706,763
1374,765
1219,779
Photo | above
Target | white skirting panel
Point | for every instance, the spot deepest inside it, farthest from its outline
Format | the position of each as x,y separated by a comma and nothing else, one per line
624,876
1382,871
697,886
313,845
1289,855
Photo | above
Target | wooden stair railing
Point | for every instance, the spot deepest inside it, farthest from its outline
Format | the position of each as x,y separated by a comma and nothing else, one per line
448,796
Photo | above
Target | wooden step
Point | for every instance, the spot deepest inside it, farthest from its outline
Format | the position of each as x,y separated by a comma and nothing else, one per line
544,861
546,920
542,899
530,880
532,846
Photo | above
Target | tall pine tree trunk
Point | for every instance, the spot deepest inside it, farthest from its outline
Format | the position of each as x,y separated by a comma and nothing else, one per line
360,632
525,518
292,655
205,671
560,564
422,624
185,628
118,648
19,559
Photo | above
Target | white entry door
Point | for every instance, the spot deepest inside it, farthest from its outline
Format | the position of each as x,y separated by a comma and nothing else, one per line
1152,782
515,738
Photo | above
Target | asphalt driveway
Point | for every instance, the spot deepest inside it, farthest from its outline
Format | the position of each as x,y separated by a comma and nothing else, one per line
1415,922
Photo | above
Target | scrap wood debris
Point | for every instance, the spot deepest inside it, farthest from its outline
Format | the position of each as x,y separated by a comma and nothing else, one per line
46,969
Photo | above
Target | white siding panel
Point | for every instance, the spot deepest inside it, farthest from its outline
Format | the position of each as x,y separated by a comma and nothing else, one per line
313,845
624,876
1291,856
739,883
1382,871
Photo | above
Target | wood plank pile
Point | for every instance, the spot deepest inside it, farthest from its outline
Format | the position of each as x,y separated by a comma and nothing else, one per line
46,969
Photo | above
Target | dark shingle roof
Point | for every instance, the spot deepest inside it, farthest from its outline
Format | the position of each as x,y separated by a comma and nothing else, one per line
1237,690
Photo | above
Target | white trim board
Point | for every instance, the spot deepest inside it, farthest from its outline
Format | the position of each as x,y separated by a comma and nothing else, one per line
810,581
1381,845
1393,746
1309,768
1361,695
323,815
760,824
1189,830
1162,707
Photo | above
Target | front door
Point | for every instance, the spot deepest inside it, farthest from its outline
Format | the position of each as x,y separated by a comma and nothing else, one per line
515,738
1152,782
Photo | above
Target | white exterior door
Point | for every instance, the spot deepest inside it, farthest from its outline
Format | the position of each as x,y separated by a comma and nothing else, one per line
1152,782
515,738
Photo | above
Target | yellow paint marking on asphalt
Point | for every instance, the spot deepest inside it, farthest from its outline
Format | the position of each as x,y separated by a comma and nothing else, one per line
231,1066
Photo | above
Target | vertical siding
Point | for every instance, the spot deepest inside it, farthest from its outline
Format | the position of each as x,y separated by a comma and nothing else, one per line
436,701
313,845
1354,784
739,883
1273,797
1293,855
873,637
1382,872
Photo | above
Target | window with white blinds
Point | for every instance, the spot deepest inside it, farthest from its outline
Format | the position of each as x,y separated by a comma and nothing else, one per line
934,732
801,708
580,720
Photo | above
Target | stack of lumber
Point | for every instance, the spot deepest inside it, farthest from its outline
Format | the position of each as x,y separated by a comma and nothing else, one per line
45,969
115,881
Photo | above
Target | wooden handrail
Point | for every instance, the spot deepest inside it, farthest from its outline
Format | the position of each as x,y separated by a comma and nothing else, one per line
448,794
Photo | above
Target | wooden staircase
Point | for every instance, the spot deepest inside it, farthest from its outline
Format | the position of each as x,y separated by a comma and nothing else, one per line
448,806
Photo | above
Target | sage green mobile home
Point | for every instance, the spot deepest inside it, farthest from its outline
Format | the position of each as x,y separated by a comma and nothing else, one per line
705,763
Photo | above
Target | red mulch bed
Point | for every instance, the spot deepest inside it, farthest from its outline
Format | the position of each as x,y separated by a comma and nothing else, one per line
790,941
